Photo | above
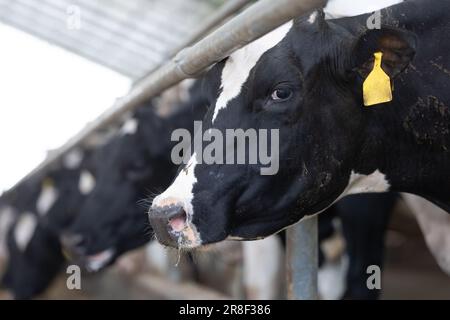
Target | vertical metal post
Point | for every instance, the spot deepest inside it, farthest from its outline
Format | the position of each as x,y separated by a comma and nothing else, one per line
302,260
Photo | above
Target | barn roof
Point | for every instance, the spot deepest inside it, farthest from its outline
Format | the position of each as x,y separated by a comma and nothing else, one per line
131,37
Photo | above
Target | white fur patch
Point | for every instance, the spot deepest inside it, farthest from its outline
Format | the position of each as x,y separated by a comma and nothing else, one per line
181,188
24,230
47,198
313,17
331,279
238,65
129,127
73,159
361,183
97,261
86,183
6,220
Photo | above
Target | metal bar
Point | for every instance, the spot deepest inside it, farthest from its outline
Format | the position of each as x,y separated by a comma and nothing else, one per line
302,260
225,11
254,22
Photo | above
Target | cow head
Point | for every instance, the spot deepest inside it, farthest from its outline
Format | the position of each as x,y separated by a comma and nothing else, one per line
34,255
113,219
304,79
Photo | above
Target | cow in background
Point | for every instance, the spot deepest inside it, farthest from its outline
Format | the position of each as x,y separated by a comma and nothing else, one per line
44,206
113,220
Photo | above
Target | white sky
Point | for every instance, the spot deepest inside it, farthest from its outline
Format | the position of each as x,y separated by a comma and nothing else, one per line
47,94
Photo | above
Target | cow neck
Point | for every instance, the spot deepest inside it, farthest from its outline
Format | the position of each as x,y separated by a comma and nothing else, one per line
414,157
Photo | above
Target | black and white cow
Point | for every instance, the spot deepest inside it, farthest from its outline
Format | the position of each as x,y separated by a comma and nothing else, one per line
44,207
113,220
305,79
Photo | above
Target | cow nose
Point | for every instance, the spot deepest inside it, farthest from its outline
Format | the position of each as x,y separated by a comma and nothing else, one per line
168,222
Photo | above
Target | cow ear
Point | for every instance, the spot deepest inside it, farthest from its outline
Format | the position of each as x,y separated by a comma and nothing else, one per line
398,47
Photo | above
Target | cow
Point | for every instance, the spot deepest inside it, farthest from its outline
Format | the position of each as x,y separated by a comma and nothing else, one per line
306,79
44,206
113,220
124,217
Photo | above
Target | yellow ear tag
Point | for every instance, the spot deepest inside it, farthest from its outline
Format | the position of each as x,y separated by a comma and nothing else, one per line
377,86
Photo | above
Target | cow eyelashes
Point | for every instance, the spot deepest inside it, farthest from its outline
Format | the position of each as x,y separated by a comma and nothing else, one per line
281,94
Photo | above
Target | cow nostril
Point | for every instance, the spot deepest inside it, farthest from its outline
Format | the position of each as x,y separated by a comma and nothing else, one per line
178,221
168,222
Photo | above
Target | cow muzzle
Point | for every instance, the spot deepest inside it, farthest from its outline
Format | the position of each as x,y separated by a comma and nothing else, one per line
173,226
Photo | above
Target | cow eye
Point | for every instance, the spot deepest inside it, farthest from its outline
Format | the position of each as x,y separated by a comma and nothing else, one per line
281,94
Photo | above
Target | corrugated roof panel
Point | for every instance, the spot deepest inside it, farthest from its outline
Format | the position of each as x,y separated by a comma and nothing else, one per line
131,37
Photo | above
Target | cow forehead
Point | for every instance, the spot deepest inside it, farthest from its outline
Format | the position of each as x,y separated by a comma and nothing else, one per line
239,64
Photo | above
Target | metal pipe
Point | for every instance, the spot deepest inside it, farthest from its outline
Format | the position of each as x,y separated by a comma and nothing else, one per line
227,10
254,22
302,259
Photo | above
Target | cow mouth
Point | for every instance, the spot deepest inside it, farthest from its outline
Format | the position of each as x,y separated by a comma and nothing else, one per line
186,237
97,261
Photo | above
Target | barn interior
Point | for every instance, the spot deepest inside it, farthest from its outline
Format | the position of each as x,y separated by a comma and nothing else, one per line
65,64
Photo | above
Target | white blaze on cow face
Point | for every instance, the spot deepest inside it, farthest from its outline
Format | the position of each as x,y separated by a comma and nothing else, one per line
238,65
47,198
86,183
24,230
180,191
